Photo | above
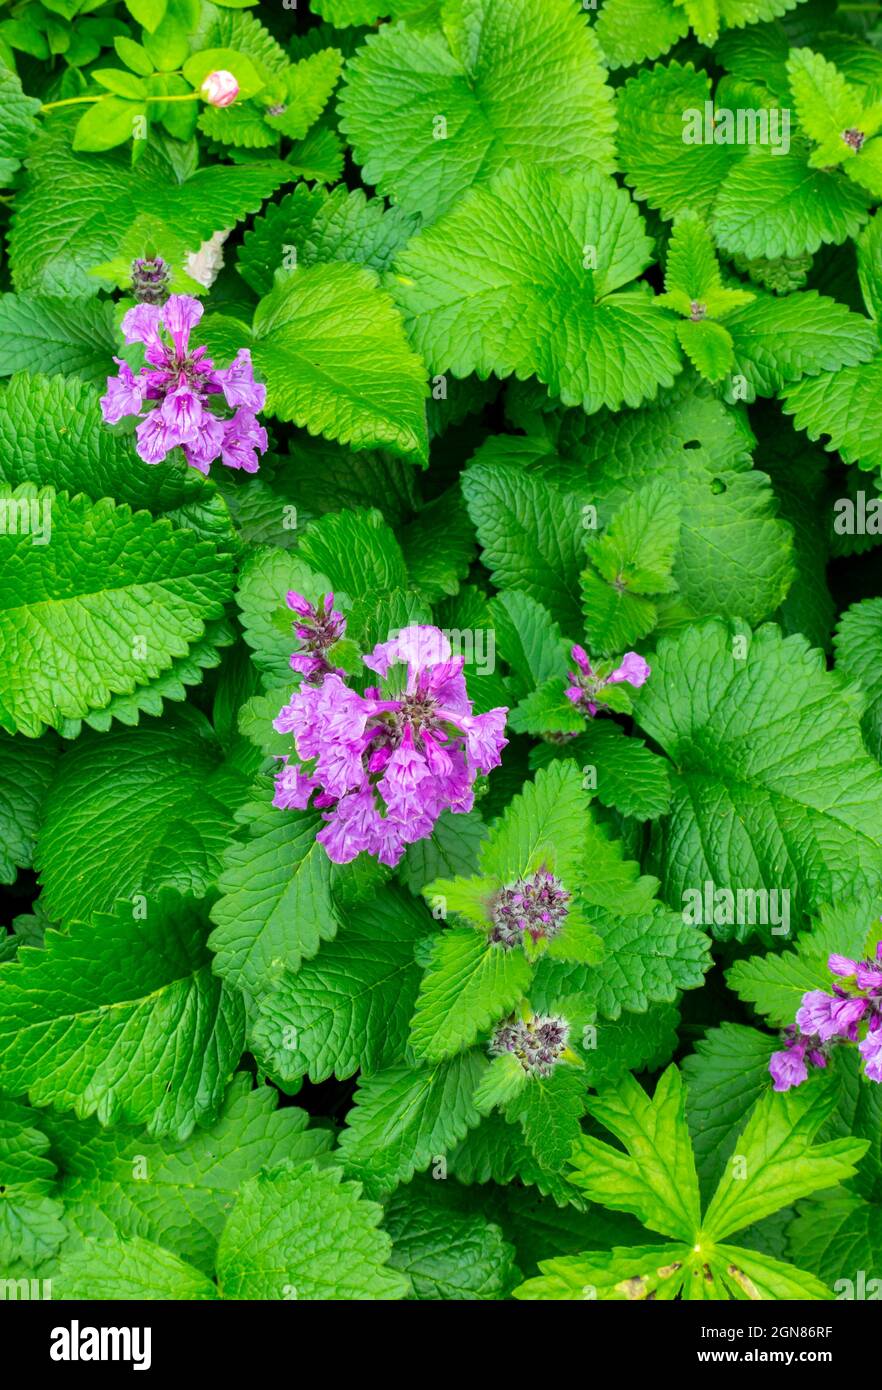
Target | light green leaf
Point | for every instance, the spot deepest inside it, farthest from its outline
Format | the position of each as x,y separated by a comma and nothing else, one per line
518,279
137,1270
104,608
469,985
31,1228
512,84
124,1019
300,1232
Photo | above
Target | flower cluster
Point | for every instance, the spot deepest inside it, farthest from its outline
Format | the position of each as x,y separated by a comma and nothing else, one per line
538,1041
318,630
585,684
172,392
534,906
150,280
824,1020
383,769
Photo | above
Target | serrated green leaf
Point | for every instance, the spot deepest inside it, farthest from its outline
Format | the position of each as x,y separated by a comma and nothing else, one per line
123,1018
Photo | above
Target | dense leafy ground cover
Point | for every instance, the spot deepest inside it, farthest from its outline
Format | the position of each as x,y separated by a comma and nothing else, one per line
517,938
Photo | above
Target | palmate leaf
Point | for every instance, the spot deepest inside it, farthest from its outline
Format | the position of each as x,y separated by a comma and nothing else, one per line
178,1193
300,1232
514,85
725,1075
333,353
104,608
406,1118
350,1007
655,1178
519,279
132,811
769,740
124,1019
31,1228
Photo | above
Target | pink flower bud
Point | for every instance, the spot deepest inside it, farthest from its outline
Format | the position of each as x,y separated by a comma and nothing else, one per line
220,88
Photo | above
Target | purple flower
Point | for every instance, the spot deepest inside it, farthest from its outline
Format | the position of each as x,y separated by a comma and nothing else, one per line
585,685
871,1050
633,669
538,1041
830,1016
385,768
788,1067
172,392
536,906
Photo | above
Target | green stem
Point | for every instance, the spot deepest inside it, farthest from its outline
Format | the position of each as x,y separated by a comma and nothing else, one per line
75,101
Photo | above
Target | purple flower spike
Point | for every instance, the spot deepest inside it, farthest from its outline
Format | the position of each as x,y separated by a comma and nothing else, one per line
385,769
171,393
585,685
825,1020
788,1067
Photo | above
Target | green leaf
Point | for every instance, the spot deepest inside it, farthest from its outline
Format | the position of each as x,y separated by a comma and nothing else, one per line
447,1254
774,984
17,124
134,55
839,407
276,906
777,340
103,609
627,775
513,85
631,561
549,1109
779,1163
469,985
631,30
31,1228
73,336
652,108
350,1007
307,90
300,1232
725,1075
178,1193
637,1272
75,208
113,1268
762,737
773,206
123,1018
110,122
133,811
332,350
26,770
312,227
735,552
655,1177
439,547
406,1118
359,552
837,1236
529,533
266,576
544,251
